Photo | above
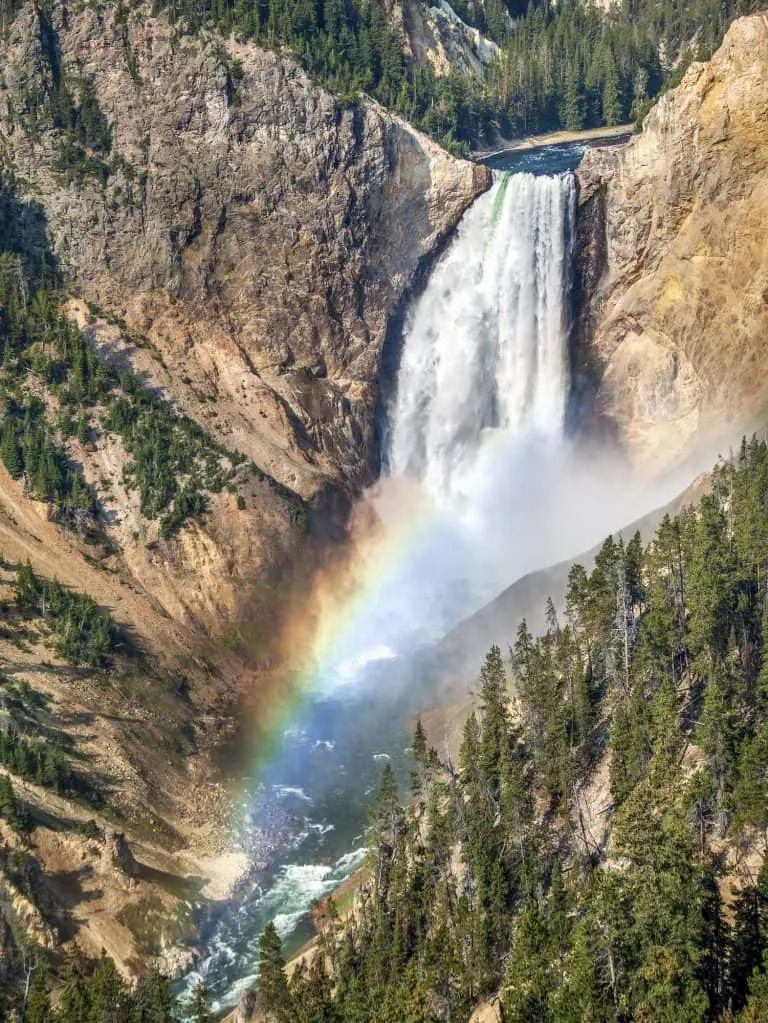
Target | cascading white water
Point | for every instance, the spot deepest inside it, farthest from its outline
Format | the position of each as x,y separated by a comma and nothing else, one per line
492,490
486,346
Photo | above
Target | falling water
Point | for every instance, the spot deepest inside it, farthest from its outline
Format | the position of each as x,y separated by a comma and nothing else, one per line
486,346
482,386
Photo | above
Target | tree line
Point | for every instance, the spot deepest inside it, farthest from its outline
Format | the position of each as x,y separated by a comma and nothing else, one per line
488,880
560,65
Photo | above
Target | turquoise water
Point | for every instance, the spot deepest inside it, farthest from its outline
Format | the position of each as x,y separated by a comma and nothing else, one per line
303,820
547,160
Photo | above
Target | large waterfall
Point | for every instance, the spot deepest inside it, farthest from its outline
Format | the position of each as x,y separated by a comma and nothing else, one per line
482,487
486,346
479,489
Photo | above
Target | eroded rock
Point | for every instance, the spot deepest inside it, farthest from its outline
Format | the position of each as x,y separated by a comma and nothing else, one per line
260,233
674,261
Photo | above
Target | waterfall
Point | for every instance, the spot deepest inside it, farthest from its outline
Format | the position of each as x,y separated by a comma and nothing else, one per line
482,488
485,349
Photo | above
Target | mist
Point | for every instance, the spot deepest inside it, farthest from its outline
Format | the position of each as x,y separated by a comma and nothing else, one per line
482,484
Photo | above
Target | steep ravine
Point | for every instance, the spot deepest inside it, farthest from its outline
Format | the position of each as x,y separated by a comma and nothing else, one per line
245,246
254,237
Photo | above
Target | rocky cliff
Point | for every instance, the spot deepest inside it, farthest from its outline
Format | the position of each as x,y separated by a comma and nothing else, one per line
250,237
229,232
257,232
437,36
673,261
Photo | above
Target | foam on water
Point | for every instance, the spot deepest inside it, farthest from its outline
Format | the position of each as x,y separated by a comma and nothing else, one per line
485,349
286,902
291,791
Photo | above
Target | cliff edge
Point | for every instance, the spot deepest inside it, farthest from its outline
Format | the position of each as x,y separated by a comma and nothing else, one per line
673,262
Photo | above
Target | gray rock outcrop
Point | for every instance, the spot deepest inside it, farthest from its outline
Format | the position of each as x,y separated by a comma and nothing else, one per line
258,232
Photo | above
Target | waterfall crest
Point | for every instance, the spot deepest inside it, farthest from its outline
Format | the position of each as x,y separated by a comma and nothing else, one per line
486,345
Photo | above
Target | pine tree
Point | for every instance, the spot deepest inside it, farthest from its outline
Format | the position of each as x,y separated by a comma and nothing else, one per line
749,936
750,796
198,1008
527,982
572,109
274,996
75,1000
493,720
418,777
38,1002
756,1009
108,993
10,451
10,809
611,97
26,588
419,743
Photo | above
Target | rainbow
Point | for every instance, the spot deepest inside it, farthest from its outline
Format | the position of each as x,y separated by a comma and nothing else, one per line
390,526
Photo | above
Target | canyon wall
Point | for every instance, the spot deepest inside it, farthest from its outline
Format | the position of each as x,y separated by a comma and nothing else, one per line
231,233
672,261
251,237
258,232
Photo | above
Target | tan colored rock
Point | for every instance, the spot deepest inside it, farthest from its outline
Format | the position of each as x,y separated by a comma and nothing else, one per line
258,232
20,915
436,36
116,855
263,238
247,1006
486,1012
673,237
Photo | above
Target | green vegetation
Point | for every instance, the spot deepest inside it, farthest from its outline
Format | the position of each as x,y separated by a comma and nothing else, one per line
45,763
11,809
34,750
94,991
54,387
568,64
571,65
71,106
166,448
29,450
84,632
661,664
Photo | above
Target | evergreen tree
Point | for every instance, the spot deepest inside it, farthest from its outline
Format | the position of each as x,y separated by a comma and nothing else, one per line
198,1008
37,1008
274,996
756,1009
494,720
10,451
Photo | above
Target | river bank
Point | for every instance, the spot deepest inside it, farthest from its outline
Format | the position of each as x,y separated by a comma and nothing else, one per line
614,133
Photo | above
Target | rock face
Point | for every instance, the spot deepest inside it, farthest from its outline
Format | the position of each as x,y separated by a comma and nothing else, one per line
253,239
673,259
257,232
116,854
437,36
